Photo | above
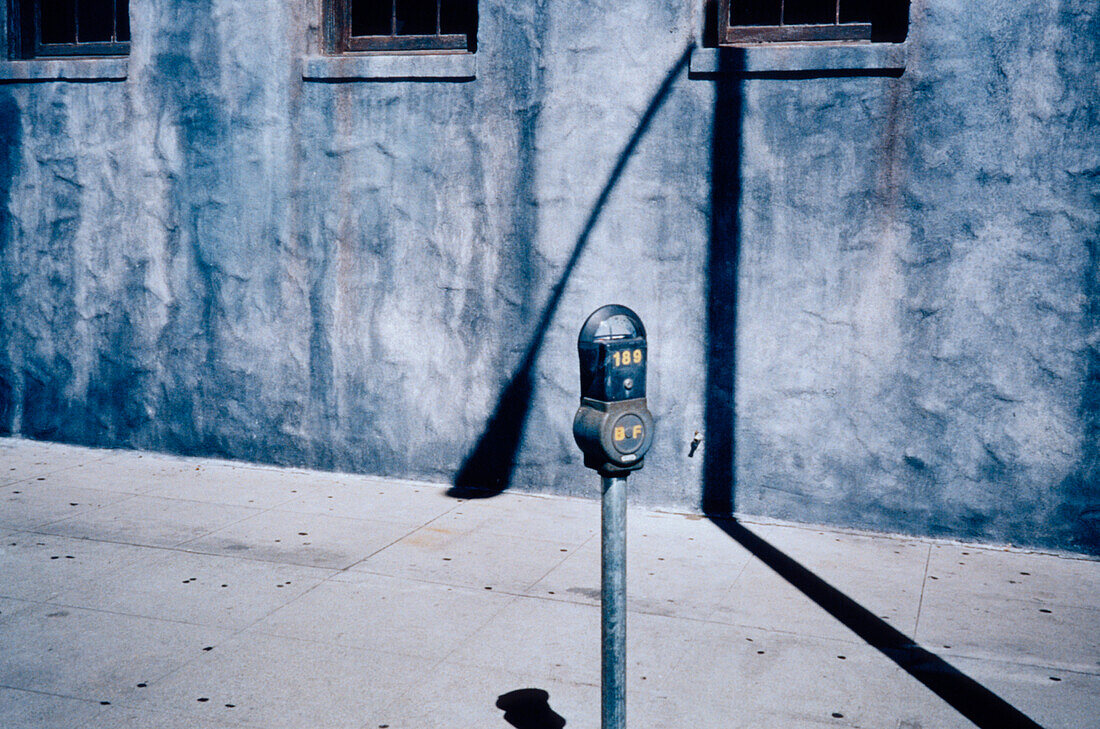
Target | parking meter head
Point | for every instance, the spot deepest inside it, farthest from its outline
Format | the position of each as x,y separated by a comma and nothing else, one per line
613,425
613,356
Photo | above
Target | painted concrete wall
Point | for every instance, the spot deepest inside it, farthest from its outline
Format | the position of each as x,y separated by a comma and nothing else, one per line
877,295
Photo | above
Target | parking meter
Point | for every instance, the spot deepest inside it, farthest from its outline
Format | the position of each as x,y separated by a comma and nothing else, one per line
613,426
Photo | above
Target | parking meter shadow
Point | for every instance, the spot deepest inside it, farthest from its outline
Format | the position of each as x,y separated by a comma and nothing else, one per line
529,708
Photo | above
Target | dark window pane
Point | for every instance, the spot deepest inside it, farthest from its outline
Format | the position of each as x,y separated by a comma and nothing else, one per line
809,12
58,21
458,16
122,19
856,11
754,12
416,17
96,20
890,21
371,17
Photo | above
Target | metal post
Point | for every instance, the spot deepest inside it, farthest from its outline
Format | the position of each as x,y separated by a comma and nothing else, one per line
613,602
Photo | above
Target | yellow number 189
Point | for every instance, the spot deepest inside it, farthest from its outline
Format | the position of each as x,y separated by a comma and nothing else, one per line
622,359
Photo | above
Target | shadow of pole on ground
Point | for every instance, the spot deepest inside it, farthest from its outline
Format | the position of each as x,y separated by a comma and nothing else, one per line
970,698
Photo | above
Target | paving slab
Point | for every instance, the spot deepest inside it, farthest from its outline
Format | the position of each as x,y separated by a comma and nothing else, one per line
762,674
453,697
543,637
148,520
229,484
360,497
202,589
971,571
562,639
892,591
130,717
21,459
383,613
280,682
41,566
9,608
763,599
312,540
1053,698
685,535
122,472
469,559
1028,632
34,503
573,521
20,708
663,582
92,654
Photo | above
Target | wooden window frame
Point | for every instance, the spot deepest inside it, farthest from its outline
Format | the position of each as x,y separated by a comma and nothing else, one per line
26,34
438,42
730,35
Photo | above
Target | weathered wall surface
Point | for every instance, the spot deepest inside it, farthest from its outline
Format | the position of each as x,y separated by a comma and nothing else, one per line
217,257
917,324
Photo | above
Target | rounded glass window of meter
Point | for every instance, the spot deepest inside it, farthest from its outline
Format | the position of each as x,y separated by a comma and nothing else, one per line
617,326
628,433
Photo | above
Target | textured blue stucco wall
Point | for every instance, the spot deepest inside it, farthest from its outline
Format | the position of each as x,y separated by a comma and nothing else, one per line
875,294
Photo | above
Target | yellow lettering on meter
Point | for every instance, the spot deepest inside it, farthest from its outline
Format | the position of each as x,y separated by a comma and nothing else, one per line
620,433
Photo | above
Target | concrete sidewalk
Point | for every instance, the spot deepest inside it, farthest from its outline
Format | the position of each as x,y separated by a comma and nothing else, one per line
139,590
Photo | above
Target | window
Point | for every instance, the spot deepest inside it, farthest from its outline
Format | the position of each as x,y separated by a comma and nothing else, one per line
70,28
406,25
786,21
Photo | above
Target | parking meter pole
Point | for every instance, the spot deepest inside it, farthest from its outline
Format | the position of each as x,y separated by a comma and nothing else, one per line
613,603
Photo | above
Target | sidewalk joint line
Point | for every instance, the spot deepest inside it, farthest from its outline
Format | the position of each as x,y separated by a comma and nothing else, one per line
923,584
562,561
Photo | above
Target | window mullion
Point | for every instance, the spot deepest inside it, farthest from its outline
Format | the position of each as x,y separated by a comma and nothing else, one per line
345,26
37,11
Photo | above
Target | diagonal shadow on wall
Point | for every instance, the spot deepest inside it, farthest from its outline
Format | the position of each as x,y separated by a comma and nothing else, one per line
973,700
487,470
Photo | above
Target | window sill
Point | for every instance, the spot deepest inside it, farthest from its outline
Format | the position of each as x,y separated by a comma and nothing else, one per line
390,67
39,70
777,59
